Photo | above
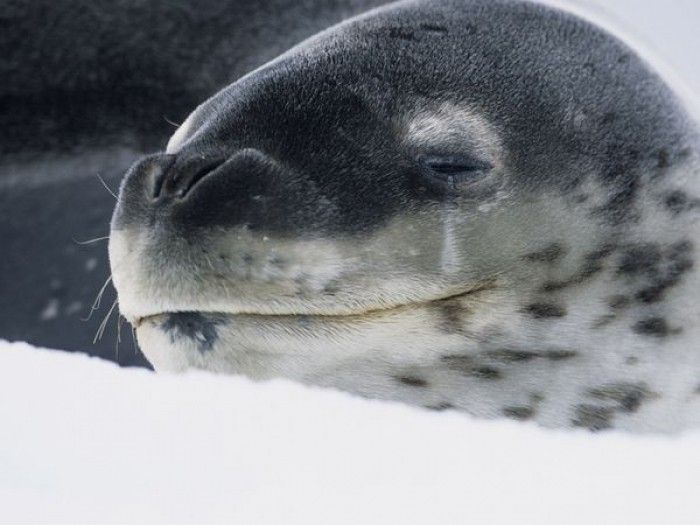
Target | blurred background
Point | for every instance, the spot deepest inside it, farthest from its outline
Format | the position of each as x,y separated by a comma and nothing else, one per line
90,85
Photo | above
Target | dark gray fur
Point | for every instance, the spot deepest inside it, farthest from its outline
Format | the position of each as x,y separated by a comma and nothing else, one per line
628,396
635,125
521,413
593,417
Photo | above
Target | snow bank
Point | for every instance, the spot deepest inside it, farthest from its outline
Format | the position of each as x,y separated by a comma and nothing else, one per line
82,441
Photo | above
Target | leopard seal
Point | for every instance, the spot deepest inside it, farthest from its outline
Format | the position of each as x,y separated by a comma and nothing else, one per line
486,206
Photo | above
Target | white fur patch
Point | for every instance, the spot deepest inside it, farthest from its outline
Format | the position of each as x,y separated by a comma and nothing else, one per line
455,126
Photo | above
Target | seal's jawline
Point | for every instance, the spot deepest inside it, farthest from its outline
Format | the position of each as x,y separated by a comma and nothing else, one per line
490,285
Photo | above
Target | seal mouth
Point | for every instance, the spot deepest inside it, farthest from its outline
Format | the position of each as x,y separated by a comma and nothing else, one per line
471,292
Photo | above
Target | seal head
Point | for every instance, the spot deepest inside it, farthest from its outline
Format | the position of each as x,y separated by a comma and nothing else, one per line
480,205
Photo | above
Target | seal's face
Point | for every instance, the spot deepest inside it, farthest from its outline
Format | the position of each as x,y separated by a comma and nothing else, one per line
366,208
330,211
306,189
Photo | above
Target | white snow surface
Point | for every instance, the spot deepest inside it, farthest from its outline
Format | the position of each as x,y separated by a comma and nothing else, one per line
82,441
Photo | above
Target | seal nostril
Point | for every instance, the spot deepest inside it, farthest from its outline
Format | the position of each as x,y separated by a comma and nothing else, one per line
188,183
159,166
176,181
158,182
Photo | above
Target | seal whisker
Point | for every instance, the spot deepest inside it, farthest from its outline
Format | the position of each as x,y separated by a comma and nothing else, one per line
91,241
133,340
103,324
172,123
98,299
106,187
119,337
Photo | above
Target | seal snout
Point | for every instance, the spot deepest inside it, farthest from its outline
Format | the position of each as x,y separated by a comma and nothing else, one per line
174,177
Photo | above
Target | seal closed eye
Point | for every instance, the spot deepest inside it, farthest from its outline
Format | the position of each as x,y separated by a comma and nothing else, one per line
450,204
449,172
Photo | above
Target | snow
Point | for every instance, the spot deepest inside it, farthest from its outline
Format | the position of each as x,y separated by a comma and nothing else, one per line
82,441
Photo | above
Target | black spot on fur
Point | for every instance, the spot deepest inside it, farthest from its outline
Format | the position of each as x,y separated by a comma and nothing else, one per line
555,286
680,259
655,291
651,294
654,327
459,363
486,372
200,328
465,364
640,259
680,249
593,417
616,303
560,355
512,356
545,310
537,397
628,396
589,268
451,312
619,302
632,360
440,407
591,265
434,28
663,159
549,254
598,255
661,269
413,381
678,202
506,355
601,252
521,413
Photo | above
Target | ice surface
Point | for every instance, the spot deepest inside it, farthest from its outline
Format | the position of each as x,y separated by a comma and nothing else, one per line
82,441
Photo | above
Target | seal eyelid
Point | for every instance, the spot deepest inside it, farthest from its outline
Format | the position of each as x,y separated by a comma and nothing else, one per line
454,168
